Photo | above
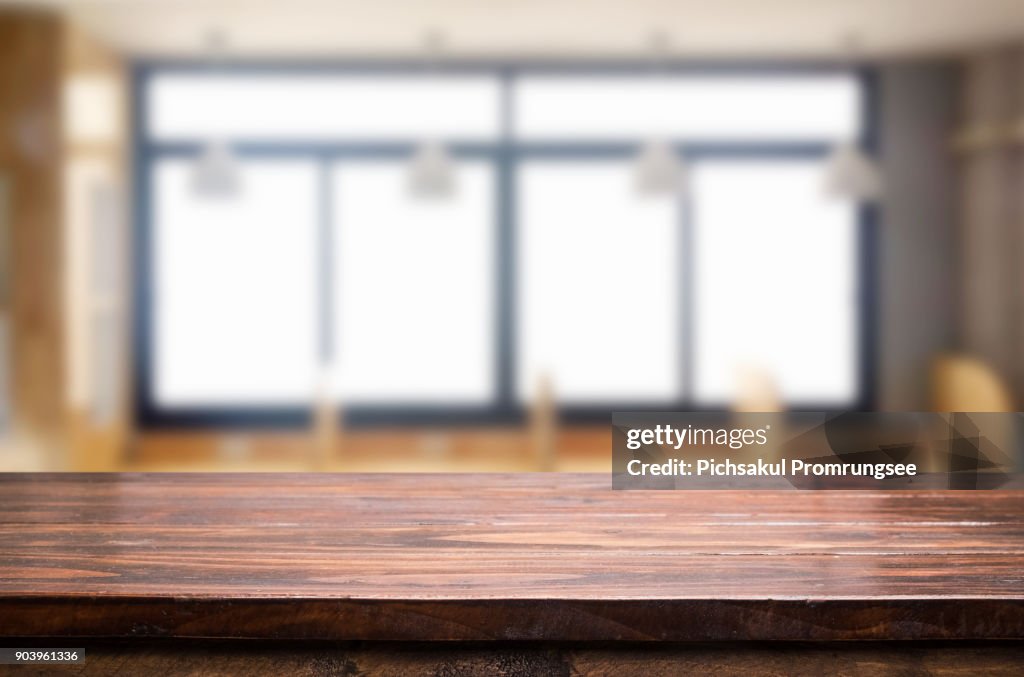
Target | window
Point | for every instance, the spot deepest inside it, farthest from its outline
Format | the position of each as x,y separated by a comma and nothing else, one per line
729,108
545,265
317,107
775,265
413,288
234,306
599,299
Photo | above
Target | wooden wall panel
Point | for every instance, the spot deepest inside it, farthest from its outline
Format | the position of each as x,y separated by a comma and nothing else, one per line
30,156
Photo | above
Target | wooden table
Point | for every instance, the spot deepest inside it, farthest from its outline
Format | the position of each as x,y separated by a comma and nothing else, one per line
505,574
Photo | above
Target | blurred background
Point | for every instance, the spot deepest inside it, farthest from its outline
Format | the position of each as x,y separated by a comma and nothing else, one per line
455,235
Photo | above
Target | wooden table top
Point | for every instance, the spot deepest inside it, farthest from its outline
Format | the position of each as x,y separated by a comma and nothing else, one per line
510,557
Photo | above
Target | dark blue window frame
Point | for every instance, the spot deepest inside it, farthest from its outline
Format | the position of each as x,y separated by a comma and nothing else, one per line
505,155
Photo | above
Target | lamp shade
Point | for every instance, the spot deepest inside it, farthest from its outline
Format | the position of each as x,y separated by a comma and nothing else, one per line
658,170
216,173
432,171
852,175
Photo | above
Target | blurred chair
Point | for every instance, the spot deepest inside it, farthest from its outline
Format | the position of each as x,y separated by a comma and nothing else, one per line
757,390
544,425
965,383
326,422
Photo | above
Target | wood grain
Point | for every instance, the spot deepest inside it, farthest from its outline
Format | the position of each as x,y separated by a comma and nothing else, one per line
500,557
219,659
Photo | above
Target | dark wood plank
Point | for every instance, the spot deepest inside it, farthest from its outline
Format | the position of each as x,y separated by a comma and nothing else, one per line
500,557
207,659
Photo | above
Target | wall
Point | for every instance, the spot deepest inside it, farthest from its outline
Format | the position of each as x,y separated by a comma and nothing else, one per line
95,157
41,146
917,238
992,224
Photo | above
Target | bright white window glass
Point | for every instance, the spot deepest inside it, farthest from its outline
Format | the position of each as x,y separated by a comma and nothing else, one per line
235,287
774,283
308,107
598,296
730,108
414,296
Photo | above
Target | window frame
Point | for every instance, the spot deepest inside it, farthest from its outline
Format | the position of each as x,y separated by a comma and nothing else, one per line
506,155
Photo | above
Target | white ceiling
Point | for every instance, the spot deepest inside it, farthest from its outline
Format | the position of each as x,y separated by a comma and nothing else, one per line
714,28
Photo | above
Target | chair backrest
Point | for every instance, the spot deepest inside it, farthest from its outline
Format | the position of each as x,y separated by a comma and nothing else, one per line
964,383
757,390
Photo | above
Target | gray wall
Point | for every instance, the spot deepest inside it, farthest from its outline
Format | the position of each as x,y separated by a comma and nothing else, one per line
917,238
